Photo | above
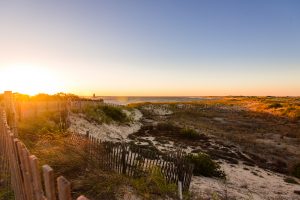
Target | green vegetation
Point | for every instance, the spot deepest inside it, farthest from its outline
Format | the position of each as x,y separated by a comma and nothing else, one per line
105,114
290,180
296,170
154,184
167,127
205,166
97,184
49,125
115,113
189,133
185,133
6,194
275,105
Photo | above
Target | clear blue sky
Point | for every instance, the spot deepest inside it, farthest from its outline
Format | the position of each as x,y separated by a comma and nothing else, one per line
168,47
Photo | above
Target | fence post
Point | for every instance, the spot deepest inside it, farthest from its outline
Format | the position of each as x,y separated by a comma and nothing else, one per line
82,198
49,182
11,111
88,149
64,188
37,185
180,172
124,164
180,190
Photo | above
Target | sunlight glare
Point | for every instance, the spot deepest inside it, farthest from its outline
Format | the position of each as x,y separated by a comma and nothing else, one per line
29,80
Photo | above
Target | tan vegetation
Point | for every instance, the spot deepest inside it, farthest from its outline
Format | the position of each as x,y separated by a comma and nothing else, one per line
52,144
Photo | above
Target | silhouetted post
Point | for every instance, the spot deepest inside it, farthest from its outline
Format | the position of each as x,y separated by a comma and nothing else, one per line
180,178
10,111
88,148
124,159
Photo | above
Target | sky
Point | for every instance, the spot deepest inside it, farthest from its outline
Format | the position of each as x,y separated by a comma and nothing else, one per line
151,48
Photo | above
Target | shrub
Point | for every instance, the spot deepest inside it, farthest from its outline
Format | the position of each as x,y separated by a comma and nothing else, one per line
6,194
154,184
45,126
115,113
105,114
205,166
167,127
189,133
290,180
275,105
296,170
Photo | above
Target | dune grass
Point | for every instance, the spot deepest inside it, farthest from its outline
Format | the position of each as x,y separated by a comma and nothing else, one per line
205,166
105,114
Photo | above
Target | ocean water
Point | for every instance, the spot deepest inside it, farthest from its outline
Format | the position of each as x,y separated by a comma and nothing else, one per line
128,100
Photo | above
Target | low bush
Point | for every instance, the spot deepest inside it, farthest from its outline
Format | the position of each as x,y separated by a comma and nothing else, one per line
154,184
115,113
47,126
105,114
97,184
6,194
205,166
189,133
290,180
275,105
169,127
296,170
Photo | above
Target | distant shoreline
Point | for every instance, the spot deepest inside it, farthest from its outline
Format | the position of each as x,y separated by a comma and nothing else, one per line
128,100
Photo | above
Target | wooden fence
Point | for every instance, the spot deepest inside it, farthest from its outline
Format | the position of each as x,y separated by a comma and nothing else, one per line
28,109
23,173
135,161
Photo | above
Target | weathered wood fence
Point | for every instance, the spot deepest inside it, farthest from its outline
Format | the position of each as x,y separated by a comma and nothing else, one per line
135,161
27,109
20,170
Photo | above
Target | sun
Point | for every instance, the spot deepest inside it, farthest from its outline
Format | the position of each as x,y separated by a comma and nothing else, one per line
28,79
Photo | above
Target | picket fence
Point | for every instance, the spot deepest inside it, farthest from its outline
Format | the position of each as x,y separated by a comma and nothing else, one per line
21,169
135,161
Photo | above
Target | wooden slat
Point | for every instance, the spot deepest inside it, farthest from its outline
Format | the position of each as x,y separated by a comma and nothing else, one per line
64,188
82,198
37,184
28,171
49,182
16,169
25,176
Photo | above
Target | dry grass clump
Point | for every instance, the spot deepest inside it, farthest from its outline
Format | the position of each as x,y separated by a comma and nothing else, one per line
45,127
189,133
5,193
154,185
296,170
205,166
105,114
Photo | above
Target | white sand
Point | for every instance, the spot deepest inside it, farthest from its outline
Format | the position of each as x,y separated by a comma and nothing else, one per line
105,132
158,110
242,184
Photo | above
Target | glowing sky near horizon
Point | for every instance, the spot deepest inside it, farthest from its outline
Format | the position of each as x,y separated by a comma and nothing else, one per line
160,48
